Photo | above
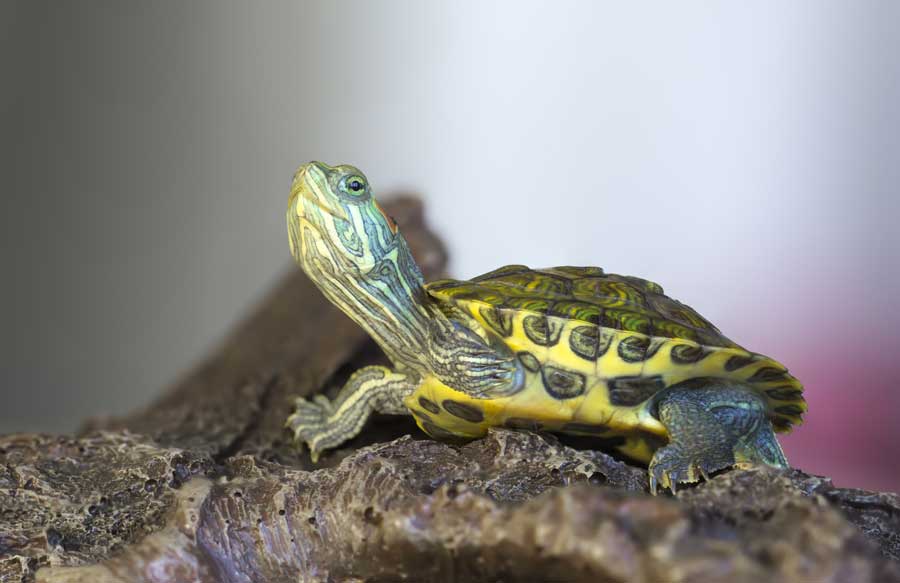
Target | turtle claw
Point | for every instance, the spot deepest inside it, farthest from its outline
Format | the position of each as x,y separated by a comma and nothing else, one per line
308,422
703,473
659,477
325,403
672,466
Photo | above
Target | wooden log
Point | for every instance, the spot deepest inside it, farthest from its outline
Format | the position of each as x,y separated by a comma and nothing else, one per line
203,486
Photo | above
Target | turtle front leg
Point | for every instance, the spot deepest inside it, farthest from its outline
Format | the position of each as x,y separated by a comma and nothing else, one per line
324,424
712,427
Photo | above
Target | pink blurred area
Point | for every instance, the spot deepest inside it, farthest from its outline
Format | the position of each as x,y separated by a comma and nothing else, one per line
851,431
850,371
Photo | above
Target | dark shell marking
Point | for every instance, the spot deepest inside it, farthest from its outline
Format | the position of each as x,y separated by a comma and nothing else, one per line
529,361
523,423
542,330
784,393
637,348
589,342
630,391
421,415
463,411
767,374
499,320
789,410
736,362
438,432
687,354
429,406
563,384
585,428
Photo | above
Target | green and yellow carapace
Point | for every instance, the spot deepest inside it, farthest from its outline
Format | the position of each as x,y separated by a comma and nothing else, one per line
566,349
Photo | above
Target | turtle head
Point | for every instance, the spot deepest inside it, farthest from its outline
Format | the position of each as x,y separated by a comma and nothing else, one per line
351,249
354,254
333,218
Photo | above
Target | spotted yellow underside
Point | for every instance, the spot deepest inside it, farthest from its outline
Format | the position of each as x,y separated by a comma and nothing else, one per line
608,393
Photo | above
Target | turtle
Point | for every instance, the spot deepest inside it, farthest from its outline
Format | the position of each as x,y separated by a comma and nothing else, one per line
570,350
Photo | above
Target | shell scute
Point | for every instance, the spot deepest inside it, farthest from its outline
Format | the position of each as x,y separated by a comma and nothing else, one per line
576,272
587,294
538,305
575,310
501,271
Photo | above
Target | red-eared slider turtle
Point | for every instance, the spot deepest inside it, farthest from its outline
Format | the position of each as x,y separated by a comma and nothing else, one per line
567,349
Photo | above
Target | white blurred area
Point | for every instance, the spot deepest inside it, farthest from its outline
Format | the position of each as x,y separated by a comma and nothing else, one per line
744,155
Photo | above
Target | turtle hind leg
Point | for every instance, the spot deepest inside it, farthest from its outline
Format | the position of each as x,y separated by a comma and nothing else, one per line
323,424
711,427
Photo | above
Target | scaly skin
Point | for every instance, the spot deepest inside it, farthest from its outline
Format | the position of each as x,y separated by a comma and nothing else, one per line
462,367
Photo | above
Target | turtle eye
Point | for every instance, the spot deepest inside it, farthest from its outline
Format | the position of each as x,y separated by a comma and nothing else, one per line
355,185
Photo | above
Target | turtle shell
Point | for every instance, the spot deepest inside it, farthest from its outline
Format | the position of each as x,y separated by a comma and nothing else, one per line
588,294
620,330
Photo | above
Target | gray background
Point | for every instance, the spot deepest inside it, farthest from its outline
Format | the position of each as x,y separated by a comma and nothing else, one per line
745,155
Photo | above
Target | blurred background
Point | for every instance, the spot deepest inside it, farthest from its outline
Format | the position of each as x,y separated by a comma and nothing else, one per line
746,156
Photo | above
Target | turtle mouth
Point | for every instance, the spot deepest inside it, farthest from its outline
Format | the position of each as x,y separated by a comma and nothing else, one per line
310,191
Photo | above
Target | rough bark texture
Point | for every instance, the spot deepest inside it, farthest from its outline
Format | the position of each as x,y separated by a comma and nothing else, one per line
203,486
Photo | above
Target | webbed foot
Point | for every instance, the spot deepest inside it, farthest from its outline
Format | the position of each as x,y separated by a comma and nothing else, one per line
309,423
713,424
324,424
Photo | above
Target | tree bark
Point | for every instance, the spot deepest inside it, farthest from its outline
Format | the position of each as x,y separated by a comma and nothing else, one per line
204,485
